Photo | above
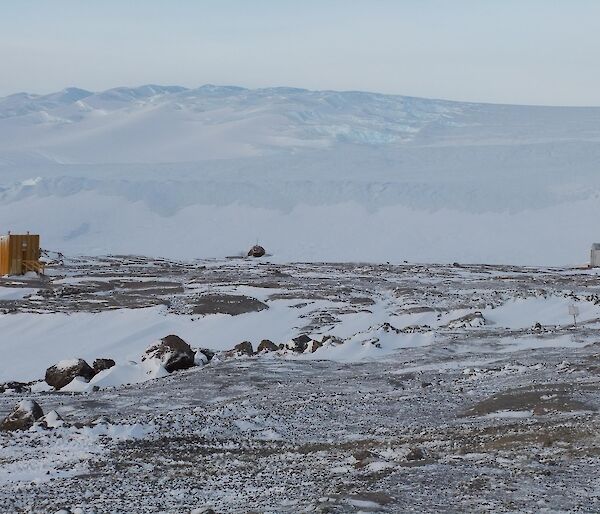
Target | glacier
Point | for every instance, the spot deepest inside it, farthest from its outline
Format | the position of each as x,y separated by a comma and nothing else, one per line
311,175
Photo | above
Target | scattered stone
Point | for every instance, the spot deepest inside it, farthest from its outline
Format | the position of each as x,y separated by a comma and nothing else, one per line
415,329
373,342
537,327
388,327
331,340
63,372
363,458
267,346
102,364
415,454
256,251
172,352
23,416
540,410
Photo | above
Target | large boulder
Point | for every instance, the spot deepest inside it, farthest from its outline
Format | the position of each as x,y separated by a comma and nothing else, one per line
172,352
267,346
59,375
300,343
244,348
23,416
303,343
256,251
102,364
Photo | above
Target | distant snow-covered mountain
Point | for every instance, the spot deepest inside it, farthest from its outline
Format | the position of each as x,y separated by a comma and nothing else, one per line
314,175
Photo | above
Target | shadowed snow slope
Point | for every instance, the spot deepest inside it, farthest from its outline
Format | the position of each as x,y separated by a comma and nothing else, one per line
137,170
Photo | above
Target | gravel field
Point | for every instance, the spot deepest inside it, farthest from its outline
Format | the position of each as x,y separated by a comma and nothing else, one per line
450,388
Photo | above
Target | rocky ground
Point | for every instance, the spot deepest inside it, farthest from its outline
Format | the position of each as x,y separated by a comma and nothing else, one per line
481,415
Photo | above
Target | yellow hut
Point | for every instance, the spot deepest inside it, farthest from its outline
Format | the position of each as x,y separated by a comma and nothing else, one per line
20,253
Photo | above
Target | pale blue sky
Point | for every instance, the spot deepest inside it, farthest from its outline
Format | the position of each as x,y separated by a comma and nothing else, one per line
511,51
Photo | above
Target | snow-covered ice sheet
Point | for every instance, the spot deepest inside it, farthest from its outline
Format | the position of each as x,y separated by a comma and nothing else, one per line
314,175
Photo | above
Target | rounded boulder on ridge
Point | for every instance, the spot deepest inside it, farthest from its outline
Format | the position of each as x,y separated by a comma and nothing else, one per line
172,352
256,251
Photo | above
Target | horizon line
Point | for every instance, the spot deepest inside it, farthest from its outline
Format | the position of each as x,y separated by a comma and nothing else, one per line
293,88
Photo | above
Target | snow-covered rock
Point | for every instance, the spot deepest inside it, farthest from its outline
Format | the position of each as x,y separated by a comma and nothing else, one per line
172,352
61,373
23,416
299,343
243,348
267,346
52,420
473,319
199,358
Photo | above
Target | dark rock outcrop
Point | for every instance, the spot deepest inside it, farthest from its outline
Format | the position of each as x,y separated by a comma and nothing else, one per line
102,364
172,352
23,416
304,343
267,346
244,348
300,343
59,375
227,304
